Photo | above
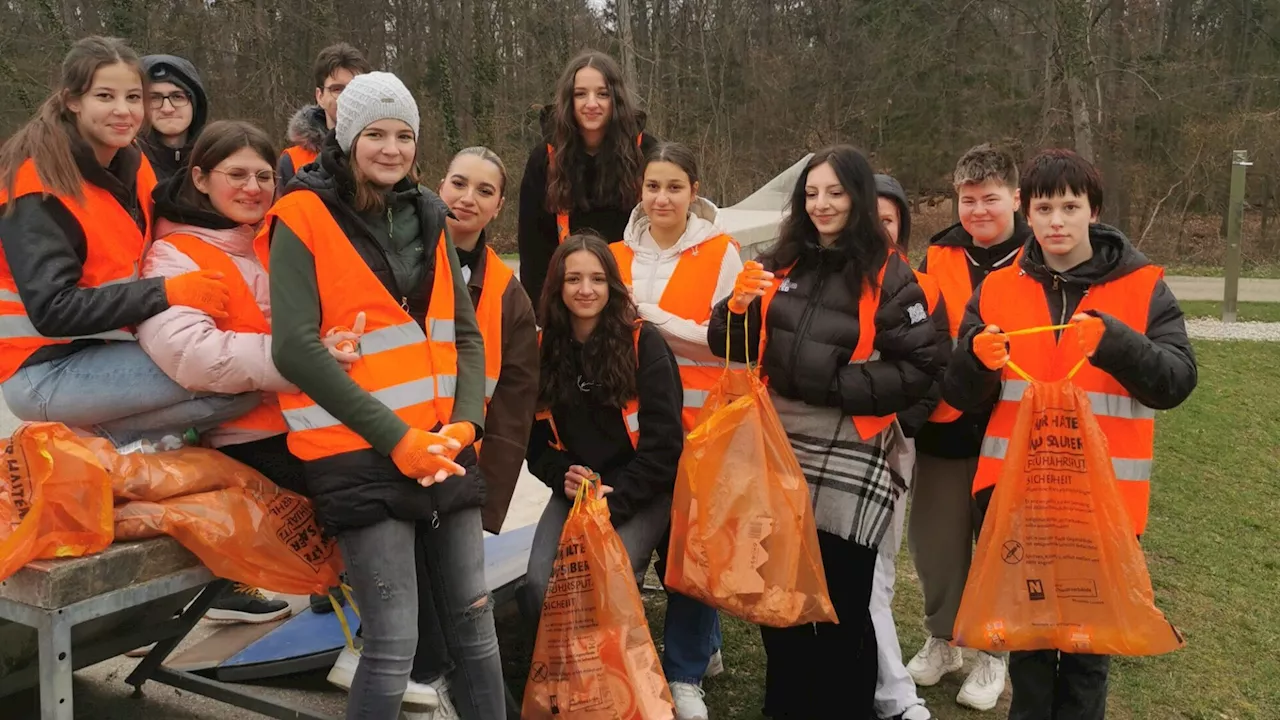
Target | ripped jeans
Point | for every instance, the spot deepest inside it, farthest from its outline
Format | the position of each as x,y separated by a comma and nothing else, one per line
456,631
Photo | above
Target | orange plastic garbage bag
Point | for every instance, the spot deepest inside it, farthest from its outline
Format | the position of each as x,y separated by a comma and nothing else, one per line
1057,564
594,658
55,499
245,529
743,537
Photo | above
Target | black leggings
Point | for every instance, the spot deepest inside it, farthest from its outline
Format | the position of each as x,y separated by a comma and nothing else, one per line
826,670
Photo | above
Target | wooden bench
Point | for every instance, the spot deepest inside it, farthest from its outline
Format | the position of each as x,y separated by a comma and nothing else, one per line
77,612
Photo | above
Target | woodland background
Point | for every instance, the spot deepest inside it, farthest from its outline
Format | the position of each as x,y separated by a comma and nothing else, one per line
1157,92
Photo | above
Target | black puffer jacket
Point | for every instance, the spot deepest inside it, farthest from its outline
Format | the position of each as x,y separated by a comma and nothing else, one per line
813,330
1158,368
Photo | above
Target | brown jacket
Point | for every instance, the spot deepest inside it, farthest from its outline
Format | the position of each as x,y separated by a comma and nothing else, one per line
510,415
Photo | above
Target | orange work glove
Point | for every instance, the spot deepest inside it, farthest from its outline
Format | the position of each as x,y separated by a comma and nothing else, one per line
421,455
1089,330
991,347
200,289
752,283
463,432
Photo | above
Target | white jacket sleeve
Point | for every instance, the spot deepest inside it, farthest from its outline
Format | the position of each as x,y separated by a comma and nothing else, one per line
687,338
188,346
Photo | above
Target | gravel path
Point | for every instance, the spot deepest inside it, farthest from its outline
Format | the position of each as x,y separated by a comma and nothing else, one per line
1211,329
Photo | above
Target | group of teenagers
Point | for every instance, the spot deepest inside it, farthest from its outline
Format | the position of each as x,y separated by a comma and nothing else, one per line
324,317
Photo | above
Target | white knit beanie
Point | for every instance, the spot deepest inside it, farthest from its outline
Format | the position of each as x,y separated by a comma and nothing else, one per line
369,98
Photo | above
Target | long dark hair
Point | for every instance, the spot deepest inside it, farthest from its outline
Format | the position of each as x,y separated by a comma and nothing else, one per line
609,355
217,142
47,137
619,162
863,241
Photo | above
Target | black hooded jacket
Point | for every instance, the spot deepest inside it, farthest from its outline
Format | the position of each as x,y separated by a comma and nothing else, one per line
814,328
1157,368
362,487
45,249
913,418
308,129
537,234
165,160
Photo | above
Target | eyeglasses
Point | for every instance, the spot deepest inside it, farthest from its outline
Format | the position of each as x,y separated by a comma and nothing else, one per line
239,177
176,99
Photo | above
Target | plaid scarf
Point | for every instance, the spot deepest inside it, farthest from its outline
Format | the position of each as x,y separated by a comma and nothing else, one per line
854,484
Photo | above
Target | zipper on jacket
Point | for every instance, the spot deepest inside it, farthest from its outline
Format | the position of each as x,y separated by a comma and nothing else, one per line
802,330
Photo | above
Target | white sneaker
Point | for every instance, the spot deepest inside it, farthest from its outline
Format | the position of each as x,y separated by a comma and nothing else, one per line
935,659
444,708
715,666
423,696
916,712
981,690
689,702
344,669
343,672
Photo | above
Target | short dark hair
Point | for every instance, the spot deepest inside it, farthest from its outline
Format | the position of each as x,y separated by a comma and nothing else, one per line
985,162
339,56
677,154
1054,172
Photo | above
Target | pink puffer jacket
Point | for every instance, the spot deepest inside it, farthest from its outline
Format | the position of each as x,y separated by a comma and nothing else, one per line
187,344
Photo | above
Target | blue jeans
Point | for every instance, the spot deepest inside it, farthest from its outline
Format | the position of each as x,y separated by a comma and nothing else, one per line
691,633
382,570
115,391
456,633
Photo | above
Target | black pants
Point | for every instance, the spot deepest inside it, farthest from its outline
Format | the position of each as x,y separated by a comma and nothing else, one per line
1052,685
826,670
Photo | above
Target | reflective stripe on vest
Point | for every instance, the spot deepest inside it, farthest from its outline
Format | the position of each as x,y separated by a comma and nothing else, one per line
689,294
243,316
411,374
497,277
1012,300
562,218
114,247
867,426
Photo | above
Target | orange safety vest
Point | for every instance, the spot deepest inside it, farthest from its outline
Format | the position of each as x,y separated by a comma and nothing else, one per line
562,218
412,373
300,156
689,294
243,315
943,413
630,411
1012,300
868,426
114,247
489,316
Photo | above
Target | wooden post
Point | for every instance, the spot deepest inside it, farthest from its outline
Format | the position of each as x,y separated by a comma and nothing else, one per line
1235,226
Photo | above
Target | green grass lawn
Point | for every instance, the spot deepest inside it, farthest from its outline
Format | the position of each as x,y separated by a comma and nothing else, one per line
1213,547
1245,311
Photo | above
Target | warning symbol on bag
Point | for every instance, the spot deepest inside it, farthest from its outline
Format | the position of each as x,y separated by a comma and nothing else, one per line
539,672
1012,552
1035,589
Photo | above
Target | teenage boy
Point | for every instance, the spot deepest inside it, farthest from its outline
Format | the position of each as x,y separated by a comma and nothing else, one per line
176,111
1128,325
896,697
333,69
944,521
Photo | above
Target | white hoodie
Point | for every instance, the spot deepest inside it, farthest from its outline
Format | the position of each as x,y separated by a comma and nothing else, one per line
652,269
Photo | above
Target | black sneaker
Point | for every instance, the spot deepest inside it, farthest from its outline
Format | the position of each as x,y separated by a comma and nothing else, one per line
246,604
320,603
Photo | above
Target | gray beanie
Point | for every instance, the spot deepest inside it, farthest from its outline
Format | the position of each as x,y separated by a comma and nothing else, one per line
369,98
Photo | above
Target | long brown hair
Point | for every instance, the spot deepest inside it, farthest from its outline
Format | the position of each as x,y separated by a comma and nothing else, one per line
369,197
619,162
47,137
217,142
609,355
